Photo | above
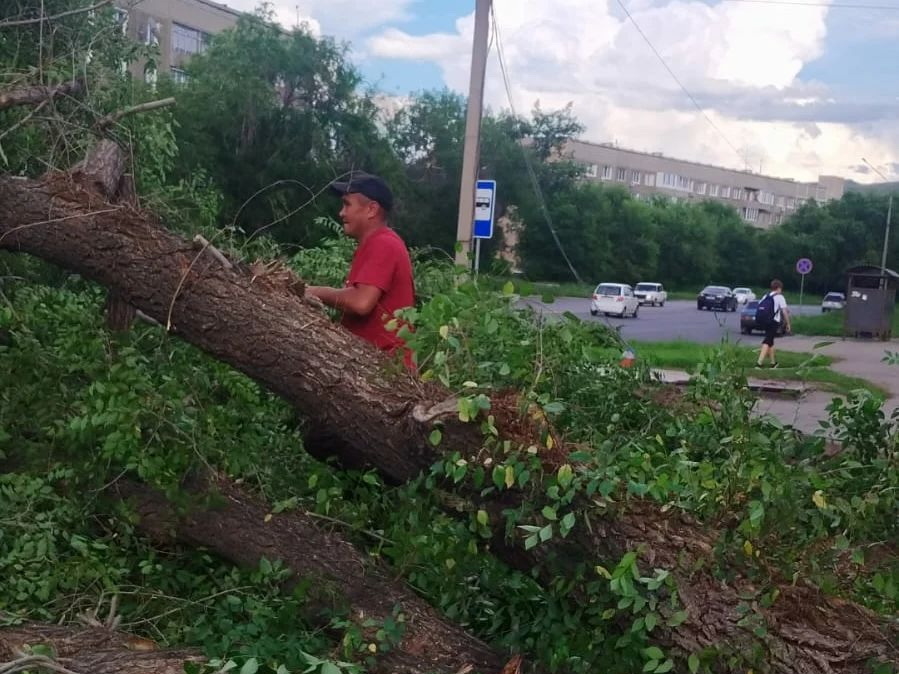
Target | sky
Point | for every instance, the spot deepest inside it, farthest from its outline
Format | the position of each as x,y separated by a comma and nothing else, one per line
774,86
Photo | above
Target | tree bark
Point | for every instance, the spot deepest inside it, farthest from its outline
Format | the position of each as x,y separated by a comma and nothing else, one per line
242,529
92,650
376,413
38,93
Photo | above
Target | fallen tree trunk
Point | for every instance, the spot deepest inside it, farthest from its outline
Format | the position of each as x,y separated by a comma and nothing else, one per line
379,415
88,650
242,529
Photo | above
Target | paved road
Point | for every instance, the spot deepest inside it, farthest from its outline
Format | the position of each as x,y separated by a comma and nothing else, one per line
678,319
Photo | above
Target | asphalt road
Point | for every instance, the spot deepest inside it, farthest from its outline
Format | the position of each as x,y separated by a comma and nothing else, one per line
678,319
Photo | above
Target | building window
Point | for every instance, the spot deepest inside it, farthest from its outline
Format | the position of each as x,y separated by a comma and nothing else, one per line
187,40
791,203
591,172
178,76
725,191
621,174
766,198
684,183
781,201
149,32
606,172
635,177
750,214
150,76
649,179
121,19
700,188
713,190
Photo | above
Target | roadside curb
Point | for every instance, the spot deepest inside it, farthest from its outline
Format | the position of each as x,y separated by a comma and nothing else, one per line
790,389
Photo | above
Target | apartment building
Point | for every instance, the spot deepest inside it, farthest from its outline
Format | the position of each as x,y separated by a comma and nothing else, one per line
763,201
179,28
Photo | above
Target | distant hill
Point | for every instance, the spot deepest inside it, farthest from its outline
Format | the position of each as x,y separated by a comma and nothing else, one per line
872,188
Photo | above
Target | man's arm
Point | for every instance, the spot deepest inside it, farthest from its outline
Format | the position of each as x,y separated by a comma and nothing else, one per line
360,299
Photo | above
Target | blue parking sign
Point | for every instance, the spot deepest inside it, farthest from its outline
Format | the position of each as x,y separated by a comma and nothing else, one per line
484,199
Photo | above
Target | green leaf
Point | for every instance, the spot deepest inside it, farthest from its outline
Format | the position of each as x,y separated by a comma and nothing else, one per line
651,621
653,653
546,532
531,541
435,437
330,668
510,477
677,618
665,666
651,666
251,666
565,475
482,518
549,513
508,288
693,663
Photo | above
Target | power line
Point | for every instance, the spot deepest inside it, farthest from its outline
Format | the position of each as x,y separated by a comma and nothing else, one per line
837,5
531,173
680,84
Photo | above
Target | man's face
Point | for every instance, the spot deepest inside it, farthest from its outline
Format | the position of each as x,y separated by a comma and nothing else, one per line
357,214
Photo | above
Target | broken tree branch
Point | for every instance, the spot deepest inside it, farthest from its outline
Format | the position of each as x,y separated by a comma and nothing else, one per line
88,650
38,93
238,526
115,117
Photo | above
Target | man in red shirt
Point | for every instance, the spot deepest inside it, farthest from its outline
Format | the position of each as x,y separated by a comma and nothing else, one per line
380,279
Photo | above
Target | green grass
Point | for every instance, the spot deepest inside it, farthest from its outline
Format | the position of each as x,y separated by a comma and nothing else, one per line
683,355
812,368
829,324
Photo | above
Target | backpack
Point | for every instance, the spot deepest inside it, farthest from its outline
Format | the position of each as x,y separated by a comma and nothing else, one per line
765,312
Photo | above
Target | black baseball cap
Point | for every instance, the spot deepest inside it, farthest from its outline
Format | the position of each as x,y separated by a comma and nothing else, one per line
367,185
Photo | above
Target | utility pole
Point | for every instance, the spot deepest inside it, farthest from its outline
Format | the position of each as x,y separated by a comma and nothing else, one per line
470,151
886,232
886,239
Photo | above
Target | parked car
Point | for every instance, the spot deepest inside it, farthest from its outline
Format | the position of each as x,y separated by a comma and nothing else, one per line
716,297
833,302
744,295
747,319
614,299
651,293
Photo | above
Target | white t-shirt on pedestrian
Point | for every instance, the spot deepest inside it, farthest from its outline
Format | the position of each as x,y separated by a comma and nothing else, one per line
780,303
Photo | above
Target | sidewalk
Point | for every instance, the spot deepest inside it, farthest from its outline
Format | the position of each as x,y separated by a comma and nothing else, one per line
801,405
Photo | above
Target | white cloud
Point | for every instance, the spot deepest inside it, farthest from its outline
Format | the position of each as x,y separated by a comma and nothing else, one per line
345,18
740,61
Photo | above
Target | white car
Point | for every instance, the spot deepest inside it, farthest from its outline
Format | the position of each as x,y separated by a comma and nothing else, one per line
650,293
615,299
744,295
833,302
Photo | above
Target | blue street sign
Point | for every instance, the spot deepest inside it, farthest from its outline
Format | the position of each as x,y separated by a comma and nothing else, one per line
484,198
803,265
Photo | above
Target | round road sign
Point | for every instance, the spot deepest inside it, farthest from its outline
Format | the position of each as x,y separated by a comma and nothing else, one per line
803,265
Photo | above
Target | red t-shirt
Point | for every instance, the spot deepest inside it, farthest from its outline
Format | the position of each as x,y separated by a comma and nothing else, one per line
381,260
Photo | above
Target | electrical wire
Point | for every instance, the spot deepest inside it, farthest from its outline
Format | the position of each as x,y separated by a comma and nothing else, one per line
680,84
836,5
530,169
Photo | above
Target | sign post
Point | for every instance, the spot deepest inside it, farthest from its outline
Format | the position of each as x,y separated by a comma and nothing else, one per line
803,266
484,201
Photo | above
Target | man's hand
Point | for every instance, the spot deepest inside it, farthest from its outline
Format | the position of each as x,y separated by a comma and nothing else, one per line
359,299
312,299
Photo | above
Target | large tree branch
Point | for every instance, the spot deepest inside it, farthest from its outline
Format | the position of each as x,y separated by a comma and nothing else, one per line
89,650
36,94
375,413
239,527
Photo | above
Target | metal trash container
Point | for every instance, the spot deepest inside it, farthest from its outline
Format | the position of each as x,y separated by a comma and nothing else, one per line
870,302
